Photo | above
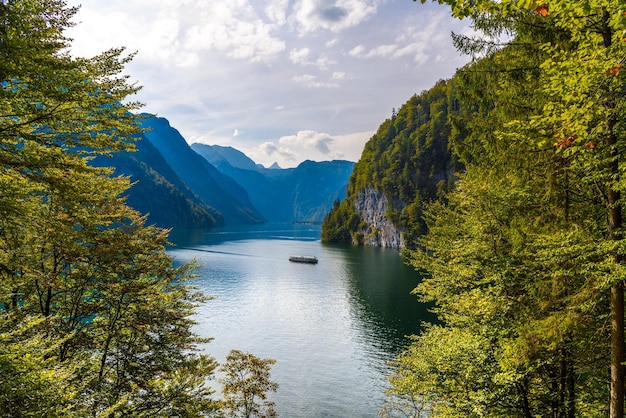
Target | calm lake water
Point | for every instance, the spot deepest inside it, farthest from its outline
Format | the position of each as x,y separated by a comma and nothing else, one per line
331,327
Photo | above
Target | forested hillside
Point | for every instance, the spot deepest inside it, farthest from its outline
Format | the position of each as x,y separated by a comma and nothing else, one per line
409,161
157,191
525,258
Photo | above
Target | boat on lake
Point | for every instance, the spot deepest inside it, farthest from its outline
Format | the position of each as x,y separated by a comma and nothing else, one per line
310,259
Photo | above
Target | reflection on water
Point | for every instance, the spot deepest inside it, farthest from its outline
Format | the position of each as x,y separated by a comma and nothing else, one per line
191,237
332,327
380,287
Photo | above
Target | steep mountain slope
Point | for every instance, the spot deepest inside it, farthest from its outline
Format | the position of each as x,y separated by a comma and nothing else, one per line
302,194
158,191
214,188
406,164
220,156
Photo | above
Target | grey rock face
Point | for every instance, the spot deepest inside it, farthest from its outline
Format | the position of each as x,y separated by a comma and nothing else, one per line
379,232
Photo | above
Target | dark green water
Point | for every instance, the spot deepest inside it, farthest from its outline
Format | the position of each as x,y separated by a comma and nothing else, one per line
331,327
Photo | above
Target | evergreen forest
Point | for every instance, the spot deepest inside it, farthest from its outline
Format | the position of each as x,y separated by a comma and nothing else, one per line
524,257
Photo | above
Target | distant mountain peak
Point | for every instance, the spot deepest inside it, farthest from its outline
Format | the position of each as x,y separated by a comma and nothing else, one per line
275,166
217,155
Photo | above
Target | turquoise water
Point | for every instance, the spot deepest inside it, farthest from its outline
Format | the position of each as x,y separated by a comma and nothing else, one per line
332,327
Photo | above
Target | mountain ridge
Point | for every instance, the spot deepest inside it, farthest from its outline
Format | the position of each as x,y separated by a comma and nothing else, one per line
307,192
212,186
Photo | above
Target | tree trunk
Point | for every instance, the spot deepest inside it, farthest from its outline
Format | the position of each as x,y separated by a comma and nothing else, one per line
617,351
616,405
617,290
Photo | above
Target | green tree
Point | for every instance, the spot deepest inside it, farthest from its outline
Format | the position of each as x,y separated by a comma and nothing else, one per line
583,109
246,385
89,299
521,259
519,322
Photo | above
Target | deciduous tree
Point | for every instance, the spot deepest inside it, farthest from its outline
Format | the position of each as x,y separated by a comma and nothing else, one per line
89,298
246,385
522,261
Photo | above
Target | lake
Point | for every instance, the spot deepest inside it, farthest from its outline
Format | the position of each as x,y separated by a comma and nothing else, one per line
332,327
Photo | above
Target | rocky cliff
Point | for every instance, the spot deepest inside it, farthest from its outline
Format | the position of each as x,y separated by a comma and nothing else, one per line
378,231
404,167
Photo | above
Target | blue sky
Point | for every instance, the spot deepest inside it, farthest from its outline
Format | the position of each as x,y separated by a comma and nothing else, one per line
281,80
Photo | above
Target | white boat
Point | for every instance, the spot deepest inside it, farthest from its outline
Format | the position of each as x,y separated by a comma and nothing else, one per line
310,259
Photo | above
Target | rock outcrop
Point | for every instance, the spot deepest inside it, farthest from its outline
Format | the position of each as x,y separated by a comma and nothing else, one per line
372,206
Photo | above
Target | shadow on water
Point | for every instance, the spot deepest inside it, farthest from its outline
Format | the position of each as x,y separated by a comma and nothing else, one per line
380,288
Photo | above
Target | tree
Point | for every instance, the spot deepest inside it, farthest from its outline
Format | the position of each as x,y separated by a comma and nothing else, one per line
89,298
584,109
519,322
246,384
521,260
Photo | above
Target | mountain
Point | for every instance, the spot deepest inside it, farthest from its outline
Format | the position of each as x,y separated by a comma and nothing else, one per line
209,184
158,191
218,156
302,194
405,165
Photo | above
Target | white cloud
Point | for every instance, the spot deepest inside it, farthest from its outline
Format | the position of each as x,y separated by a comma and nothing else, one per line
333,15
312,81
382,51
416,41
282,153
276,11
299,55
174,32
309,144
309,139
332,43
350,146
268,147
233,27
306,78
357,51
334,146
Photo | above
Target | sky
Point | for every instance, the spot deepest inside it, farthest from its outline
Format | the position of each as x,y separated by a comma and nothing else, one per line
280,80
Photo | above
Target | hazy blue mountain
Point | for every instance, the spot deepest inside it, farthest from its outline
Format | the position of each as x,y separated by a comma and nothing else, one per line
207,182
302,194
158,191
218,155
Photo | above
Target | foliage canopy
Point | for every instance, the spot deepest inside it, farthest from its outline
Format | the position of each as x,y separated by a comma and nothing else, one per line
94,318
525,262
